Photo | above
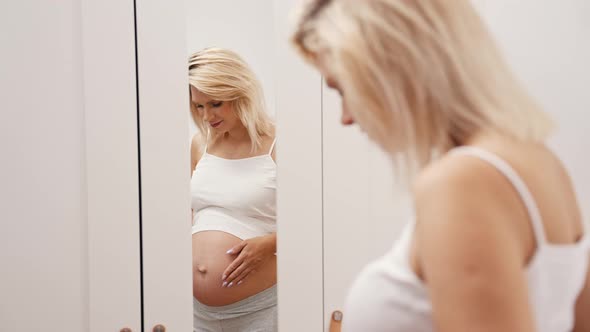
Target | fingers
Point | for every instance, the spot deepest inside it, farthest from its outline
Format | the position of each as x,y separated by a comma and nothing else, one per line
240,279
336,321
232,267
242,269
237,248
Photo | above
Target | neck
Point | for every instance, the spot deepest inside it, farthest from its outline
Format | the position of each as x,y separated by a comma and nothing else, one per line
240,133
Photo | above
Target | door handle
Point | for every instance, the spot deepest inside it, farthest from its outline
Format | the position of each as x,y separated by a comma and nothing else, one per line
159,328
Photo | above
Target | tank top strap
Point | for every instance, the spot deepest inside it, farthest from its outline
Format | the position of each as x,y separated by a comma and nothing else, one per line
503,167
272,146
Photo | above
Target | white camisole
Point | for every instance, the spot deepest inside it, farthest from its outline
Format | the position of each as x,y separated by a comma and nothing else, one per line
237,196
388,296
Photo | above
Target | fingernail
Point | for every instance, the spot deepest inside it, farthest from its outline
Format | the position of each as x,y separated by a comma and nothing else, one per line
231,251
337,315
223,277
239,282
224,283
230,284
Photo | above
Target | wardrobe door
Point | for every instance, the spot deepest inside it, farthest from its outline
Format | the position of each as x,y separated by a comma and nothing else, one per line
110,108
68,196
164,165
299,175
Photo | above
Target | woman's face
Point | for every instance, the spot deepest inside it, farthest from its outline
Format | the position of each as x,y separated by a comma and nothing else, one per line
349,118
346,118
219,115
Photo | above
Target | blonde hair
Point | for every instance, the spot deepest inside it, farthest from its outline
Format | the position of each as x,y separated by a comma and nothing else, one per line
224,76
422,75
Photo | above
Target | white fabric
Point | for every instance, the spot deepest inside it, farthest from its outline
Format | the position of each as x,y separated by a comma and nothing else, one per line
388,296
237,196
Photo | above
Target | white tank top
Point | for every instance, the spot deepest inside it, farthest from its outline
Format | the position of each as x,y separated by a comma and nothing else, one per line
237,196
388,296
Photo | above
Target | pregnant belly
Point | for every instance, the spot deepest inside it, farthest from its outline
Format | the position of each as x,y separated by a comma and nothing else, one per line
210,261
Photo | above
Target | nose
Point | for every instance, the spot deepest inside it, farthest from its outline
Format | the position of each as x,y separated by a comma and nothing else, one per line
346,119
207,114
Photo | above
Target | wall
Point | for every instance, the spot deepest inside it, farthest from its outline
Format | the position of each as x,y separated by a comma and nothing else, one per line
546,43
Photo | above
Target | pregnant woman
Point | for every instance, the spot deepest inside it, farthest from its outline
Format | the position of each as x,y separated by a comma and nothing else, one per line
233,189
497,241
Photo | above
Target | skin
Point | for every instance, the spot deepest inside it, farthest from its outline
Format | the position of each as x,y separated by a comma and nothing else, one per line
226,268
474,239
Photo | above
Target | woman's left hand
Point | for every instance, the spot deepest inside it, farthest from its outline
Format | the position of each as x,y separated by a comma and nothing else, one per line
252,253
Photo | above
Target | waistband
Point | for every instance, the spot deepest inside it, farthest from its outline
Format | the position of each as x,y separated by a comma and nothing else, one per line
259,301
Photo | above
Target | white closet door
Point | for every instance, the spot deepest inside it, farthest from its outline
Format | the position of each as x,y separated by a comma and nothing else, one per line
299,176
43,207
112,166
165,172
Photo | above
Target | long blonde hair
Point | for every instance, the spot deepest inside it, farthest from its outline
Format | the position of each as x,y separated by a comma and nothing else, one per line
224,76
422,75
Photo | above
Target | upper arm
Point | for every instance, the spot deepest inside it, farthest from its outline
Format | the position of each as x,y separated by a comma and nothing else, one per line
582,323
471,261
195,151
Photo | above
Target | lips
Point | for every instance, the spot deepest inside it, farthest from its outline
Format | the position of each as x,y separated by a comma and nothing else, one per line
216,124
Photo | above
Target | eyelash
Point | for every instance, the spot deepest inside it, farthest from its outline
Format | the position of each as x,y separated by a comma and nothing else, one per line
216,105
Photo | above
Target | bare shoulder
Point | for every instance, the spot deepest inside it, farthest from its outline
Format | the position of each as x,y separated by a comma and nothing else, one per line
466,251
457,180
461,200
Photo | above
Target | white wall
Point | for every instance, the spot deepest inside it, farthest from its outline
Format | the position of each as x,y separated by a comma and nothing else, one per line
42,174
548,45
246,27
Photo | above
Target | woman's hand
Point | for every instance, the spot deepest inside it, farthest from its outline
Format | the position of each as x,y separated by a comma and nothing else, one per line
252,253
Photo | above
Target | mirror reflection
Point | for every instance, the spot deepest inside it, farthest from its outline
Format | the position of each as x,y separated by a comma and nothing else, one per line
233,188
230,47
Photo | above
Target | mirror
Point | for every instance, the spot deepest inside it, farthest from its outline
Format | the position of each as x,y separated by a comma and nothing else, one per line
233,164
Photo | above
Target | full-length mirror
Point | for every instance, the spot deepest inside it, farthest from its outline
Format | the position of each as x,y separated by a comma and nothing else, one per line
233,165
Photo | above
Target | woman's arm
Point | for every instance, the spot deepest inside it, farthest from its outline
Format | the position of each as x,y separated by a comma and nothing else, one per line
195,157
195,152
467,250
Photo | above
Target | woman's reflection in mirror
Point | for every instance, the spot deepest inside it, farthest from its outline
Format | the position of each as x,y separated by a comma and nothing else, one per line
233,188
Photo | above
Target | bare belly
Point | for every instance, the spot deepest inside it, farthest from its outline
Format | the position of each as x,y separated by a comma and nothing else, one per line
210,261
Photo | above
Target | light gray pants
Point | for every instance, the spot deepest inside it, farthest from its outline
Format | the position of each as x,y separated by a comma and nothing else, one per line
257,313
